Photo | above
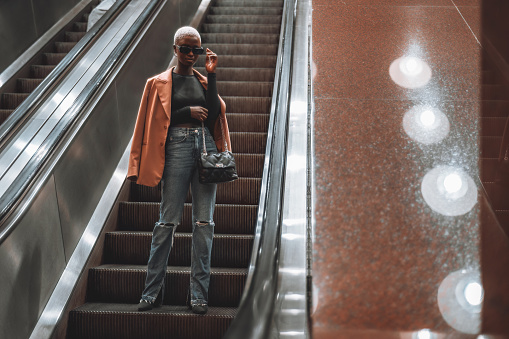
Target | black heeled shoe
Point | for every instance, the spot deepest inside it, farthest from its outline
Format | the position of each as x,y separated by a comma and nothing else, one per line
200,309
147,306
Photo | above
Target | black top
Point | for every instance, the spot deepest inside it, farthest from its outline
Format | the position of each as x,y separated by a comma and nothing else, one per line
187,91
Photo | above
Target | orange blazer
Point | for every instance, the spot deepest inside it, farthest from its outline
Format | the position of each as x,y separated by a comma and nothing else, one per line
146,161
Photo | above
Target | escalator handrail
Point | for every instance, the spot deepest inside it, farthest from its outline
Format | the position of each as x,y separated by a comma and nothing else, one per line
256,307
28,175
35,99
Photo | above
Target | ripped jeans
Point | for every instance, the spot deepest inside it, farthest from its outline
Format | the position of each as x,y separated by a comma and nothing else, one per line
183,146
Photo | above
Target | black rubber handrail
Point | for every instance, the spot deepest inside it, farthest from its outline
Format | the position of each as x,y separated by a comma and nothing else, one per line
26,178
254,315
35,99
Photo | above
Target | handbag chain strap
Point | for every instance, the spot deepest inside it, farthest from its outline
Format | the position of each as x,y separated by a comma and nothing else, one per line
203,137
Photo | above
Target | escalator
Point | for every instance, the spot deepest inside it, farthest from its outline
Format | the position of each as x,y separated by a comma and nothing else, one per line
245,35
42,65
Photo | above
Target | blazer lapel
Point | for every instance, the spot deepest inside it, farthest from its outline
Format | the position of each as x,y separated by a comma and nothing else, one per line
163,86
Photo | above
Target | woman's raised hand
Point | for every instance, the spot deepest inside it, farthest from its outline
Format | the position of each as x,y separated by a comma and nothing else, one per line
199,113
210,61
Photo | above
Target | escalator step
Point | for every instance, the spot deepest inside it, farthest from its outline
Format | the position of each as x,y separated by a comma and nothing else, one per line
248,3
240,28
133,248
41,71
27,85
214,10
64,47
490,146
495,108
239,122
245,88
54,58
249,142
244,61
242,74
74,36
124,283
247,104
13,100
107,321
80,26
243,49
244,19
4,114
244,191
230,219
493,126
85,17
229,38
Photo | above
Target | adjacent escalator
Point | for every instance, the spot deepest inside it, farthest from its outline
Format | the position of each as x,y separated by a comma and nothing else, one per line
42,66
245,35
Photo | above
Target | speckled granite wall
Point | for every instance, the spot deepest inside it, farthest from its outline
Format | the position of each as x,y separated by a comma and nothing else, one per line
397,100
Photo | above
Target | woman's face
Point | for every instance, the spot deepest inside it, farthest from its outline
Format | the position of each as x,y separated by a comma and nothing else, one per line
190,58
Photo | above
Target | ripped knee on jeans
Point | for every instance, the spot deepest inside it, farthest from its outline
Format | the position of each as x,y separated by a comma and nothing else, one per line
167,224
203,223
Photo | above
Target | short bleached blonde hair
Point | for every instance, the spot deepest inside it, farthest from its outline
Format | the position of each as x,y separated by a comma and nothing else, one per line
185,31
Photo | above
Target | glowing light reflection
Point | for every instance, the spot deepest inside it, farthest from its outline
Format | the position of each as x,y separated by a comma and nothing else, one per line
410,72
474,293
449,191
424,334
426,124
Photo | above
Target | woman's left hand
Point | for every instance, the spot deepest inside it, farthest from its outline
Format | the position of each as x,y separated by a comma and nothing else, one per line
210,61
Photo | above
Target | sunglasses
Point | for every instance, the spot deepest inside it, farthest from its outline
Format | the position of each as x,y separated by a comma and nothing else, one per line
186,50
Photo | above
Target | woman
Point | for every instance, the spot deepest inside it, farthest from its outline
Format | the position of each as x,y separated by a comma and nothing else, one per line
166,144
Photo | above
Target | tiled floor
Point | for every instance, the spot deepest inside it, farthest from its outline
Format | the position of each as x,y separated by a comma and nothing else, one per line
385,257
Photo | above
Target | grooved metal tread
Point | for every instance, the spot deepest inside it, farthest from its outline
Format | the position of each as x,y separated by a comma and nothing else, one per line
170,269
164,309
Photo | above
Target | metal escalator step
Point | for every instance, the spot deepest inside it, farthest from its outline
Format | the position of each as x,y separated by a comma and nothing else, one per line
247,104
240,28
108,321
64,47
230,38
4,114
503,219
493,126
80,26
244,191
85,17
245,88
244,61
242,74
41,71
495,108
134,248
27,85
249,3
244,49
245,10
249,142
13,100
490,146
229,219
74,36
124,283
243,19
54,58
240,122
